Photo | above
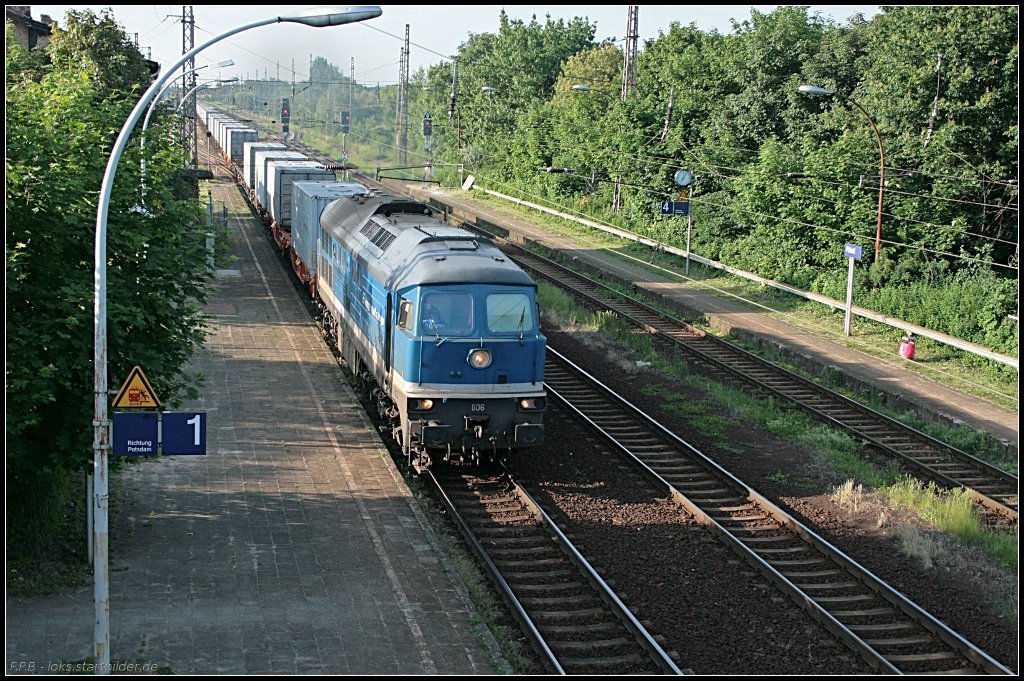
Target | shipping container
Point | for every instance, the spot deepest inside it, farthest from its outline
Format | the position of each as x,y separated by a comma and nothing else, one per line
281,175
308,201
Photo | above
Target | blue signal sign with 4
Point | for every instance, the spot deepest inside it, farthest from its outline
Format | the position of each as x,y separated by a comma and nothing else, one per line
675,207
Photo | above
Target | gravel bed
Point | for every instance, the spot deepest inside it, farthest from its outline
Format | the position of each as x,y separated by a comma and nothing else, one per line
953,584
680,581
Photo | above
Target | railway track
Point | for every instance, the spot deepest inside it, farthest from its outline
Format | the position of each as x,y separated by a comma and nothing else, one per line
926,457
885,628
543,579
574,621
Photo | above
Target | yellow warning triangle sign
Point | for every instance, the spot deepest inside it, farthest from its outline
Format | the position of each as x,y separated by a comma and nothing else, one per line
136,392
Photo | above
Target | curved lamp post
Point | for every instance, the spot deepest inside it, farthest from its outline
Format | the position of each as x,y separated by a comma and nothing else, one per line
152,106
820,91
587,88
199,87
317,17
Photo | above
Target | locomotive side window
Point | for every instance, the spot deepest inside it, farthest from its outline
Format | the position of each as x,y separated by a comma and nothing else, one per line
450,314
405,315
509,313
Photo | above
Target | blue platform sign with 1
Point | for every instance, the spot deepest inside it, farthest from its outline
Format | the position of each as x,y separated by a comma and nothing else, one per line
853,251
184,433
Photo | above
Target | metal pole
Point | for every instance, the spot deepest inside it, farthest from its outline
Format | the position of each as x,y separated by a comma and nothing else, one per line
849,299
351,113
881,176
88,513
689,227
101,422
815,90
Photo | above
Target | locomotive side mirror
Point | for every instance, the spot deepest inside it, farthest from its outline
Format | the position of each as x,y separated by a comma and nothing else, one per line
405,315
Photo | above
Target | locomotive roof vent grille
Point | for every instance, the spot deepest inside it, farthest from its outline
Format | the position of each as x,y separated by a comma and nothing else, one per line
370,230
383,239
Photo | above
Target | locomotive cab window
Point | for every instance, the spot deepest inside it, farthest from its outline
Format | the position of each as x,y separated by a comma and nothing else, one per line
509,313
449,314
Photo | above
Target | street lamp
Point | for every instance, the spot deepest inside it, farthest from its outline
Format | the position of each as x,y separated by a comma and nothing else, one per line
317,17
197,88
587,88
152,107
820,91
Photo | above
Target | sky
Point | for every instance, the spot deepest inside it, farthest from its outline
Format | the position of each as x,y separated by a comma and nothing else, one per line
435,31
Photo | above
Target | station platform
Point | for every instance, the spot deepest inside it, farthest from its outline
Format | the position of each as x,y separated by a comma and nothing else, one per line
888,378
293,547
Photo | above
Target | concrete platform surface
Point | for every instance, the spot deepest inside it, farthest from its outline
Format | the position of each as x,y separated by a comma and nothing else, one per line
293,546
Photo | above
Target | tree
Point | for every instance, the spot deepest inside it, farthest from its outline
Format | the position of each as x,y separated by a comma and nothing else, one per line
973,145
523,61
60,129
98,46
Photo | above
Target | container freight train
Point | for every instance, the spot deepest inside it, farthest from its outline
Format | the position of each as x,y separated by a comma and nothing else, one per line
443,327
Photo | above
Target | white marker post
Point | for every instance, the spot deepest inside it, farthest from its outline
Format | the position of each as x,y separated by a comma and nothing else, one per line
853,252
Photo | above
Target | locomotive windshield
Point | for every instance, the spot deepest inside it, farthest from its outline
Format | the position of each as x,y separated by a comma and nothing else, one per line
509,313
447,314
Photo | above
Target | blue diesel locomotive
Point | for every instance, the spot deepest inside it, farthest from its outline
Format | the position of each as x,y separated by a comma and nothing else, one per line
441,324
445,327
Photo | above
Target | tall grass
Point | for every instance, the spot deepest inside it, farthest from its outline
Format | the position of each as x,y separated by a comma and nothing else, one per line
953,511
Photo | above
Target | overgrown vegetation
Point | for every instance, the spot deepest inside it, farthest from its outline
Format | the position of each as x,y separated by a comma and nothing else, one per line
728,108
65,108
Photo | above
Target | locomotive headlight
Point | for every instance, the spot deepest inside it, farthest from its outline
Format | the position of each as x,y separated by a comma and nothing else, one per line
423,405
531,403
479,358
